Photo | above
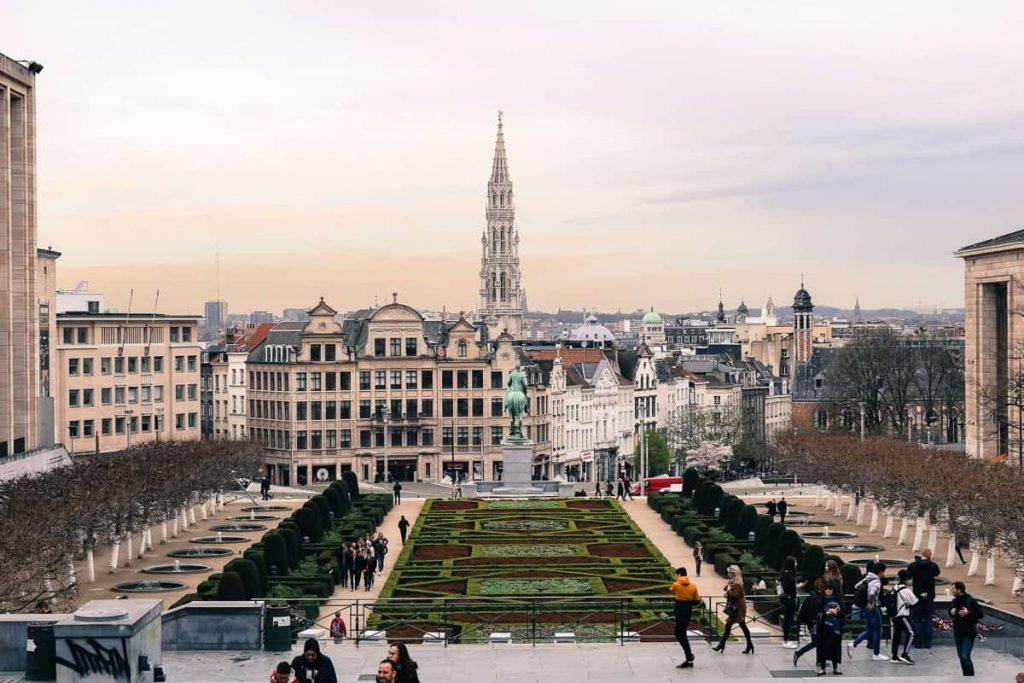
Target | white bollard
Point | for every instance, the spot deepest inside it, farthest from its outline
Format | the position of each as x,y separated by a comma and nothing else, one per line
90,565
861,509
174,527
163,531
192,515
904,526
817,498
184,519
1018,585
202,511
128,555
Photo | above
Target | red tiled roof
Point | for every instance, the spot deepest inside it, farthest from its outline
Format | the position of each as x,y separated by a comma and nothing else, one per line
570,356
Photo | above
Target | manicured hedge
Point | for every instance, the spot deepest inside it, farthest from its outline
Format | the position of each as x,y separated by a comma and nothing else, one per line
352,481
231,587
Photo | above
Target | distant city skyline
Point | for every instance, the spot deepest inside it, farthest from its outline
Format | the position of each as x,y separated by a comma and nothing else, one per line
659,152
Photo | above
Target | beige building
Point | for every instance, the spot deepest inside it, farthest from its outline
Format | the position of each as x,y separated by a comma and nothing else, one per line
125,379
19,326
426,396
46,294
994,348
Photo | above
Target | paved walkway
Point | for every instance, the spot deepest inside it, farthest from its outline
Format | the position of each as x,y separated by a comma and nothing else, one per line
586,662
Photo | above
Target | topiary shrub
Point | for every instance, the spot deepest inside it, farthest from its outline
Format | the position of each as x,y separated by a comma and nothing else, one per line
691,479
731,515
231,587
261,568
352,481
701,498
294,545
275,553
748,522
341,489
246,569
764,522
714,499
771,545
333,501
813,562
790,543
320,505
309,521
851,574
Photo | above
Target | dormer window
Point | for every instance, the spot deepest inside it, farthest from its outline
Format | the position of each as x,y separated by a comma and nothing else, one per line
463,349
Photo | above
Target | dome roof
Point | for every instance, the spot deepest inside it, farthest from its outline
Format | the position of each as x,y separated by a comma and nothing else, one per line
802,300
743,308
652,318
592,331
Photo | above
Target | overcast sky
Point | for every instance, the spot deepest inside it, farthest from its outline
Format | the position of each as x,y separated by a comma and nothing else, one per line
660,151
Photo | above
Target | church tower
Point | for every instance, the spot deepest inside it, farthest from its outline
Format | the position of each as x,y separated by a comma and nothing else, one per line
803,323
501,293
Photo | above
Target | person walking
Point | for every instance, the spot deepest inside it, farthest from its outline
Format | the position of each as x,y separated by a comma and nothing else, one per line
787,598
597,489
380,549
830,632
867,594
904,600
405,666
924,571
358,569
629,487
620,490
608,489
960,545
403,528
966,613
698,556
783,507
338,629
265,488
772,508
812,606
735,610
314,666
368,568
686,596
397,491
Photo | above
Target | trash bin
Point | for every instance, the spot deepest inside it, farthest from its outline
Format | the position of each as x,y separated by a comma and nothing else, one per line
41,655
277,628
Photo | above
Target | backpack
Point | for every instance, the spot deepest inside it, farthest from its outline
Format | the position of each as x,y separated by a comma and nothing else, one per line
860,594
890,601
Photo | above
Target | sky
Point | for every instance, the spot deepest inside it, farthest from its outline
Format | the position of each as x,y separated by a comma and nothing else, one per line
660,151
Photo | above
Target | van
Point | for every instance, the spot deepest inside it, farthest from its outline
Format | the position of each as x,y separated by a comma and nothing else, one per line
663,482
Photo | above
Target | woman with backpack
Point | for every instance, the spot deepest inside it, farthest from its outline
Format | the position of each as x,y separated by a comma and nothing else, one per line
902,601
735,610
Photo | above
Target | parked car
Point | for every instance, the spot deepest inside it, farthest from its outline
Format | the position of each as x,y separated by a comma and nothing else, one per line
660,483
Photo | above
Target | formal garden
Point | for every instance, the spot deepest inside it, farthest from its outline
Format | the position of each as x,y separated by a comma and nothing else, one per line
530,568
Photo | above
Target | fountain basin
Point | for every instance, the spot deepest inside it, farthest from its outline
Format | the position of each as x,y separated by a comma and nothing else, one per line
852,548
148,586
265,508
177,568
238,527
201,552
254,518
828,534
808,522
887,561
220,538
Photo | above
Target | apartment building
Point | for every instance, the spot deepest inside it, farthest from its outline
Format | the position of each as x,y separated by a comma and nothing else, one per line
125,379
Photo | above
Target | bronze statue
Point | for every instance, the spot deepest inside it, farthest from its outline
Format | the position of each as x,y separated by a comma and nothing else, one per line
516,402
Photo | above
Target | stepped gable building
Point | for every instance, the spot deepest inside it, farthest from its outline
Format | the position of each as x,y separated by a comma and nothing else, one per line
502,297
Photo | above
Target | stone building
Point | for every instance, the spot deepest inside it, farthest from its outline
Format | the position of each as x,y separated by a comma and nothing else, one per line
803,324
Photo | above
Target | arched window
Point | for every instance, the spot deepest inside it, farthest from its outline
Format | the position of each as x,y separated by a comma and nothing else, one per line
494,286
462,349
501,201
821,419
504,287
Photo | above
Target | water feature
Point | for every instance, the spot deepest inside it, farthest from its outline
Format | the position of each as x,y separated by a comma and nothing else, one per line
807,522
852,548
220,538
177,568
148,586
887,561
252,517
201,552
238,527
266,508
828,534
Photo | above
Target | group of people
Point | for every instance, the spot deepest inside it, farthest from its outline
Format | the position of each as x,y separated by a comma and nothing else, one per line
362,560
621,489
313,666
909,605
780,508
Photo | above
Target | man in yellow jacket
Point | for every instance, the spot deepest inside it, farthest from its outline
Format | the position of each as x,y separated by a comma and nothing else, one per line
686,597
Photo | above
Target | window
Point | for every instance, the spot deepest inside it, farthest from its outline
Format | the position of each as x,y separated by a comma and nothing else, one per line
316,410
378,439
380,378
314,381
410,409
330,381
364,438
396,346
496,436
396,438
179,419
300,381
133,394
345,381
446,379
72,366
496,407
147,423
446,436
106,424
396,379
105,366
193,391
379,347
73,429
364,380
411,437
158,363
119,395
179,392
174,340
179,363
300,410
331,410
427,407
300,440
364,409
133,364
396,409
496,379
718,400
105,396
463,349
186,335
330,352
447,407
410,379
463,436
346,438
83,335
147,393
346,410
478,436
462,407
314,352
119,366
478,407
191,420
462,379
158,393
147,363
87,397
427,378
73,398
332,438
191,362
428,437
410,346
316,440
69,335
378,408
478,379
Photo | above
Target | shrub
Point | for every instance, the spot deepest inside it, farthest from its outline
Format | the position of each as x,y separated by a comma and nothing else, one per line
693,533
764,522
352,481
771,545
790,543
851,574
334,501
722,562
275,553
185,599
323,508
341,489
813,562
748,522
701,498
714,499
231,587
691,479
257,559
731,515
246,569
309,521
293,544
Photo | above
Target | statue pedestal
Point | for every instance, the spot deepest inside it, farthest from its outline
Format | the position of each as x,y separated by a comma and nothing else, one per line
517,469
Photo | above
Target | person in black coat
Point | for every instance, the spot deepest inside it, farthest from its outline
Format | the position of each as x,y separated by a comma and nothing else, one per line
924,571
966,612
783,507
359,568
771,508
314,666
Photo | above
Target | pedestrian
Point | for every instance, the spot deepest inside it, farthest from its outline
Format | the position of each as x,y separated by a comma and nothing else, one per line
735,610
265,488
686,597
342,568
282,673
783,507
397,489
386,671
406,669
368,568
597,489
772,508
787,598
359,568
867,596
458,489
834,578
830,632
620,490
698,556
338,629
608,490
380,549
811,607
902,628
314,666
924,571
629,488
966,612
403,528
960,545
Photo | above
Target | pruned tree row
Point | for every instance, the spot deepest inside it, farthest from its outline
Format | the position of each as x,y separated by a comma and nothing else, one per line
51,520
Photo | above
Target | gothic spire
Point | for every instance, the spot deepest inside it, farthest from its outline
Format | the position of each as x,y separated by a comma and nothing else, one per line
499,171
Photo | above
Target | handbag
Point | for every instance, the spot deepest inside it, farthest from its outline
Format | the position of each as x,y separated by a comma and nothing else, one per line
730,609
